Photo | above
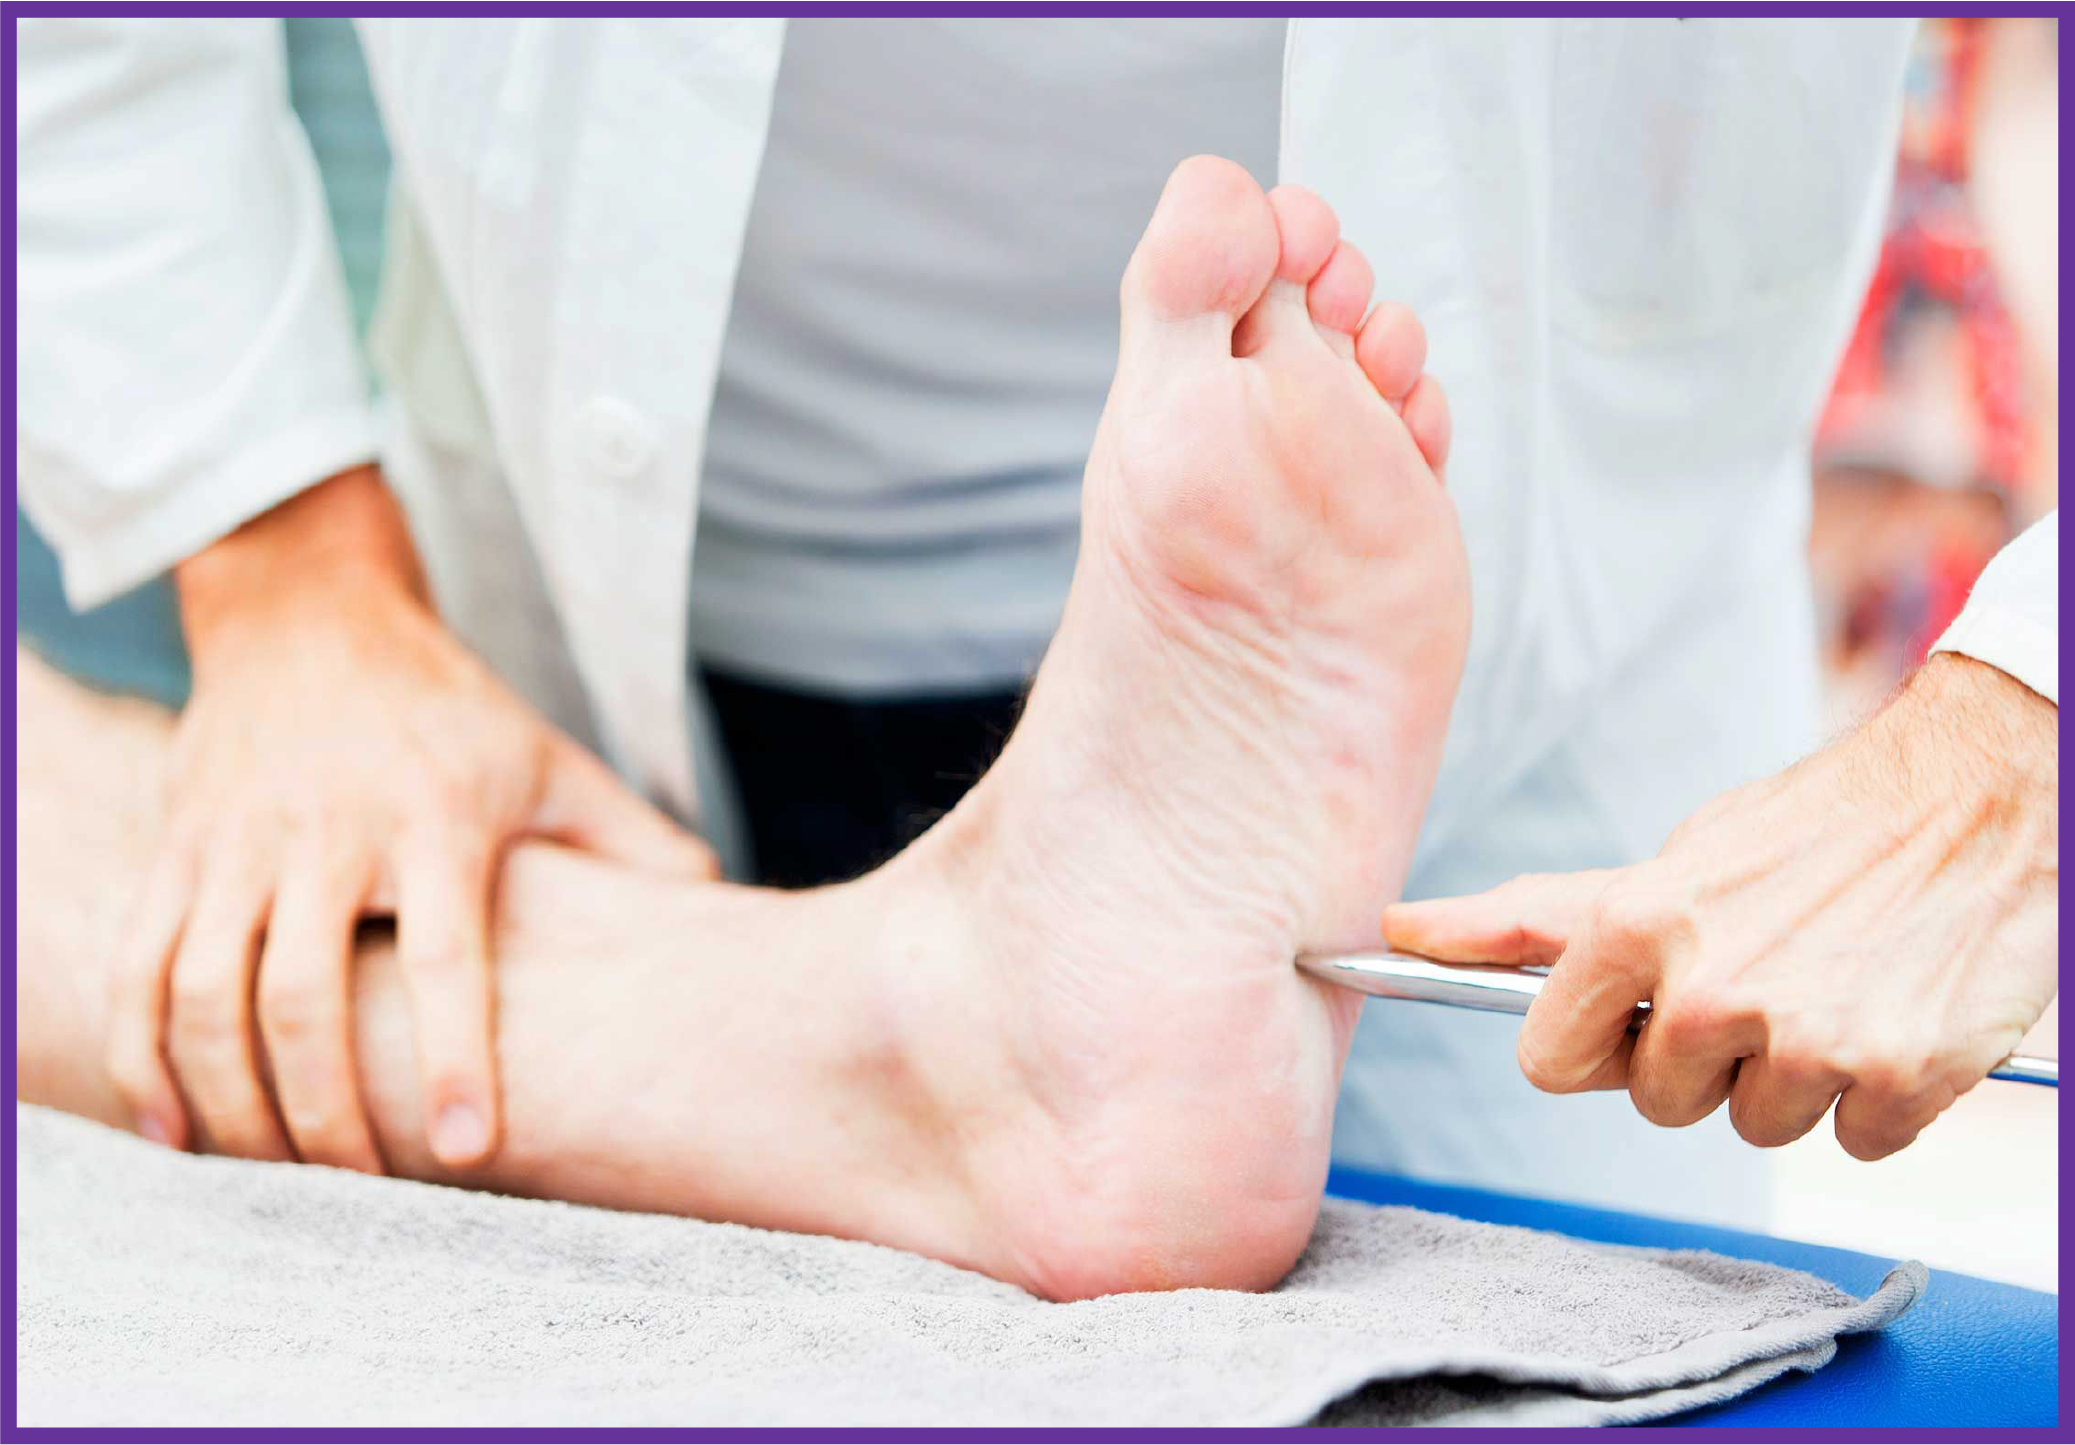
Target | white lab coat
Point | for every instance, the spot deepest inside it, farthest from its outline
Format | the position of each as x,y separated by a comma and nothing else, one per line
1637,245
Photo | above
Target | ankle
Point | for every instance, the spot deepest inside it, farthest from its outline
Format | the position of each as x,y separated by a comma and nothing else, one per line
1072,1191
930,1039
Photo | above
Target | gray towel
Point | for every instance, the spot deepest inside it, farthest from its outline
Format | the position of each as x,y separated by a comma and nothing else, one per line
158,1288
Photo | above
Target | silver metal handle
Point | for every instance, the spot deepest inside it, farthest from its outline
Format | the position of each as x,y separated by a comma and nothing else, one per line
1494,988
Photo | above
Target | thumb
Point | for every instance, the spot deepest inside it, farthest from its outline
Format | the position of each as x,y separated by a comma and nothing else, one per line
1526,920
584,804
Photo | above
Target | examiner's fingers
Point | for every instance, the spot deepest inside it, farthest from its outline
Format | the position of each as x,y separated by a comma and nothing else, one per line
306,1005
1877,1117
210,1034
1526,920
1779,1097
1576,1037
1679,1074
1610,1073
442,885
583,803
137,1002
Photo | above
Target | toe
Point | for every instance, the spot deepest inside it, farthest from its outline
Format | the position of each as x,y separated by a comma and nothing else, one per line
1307,234
1209,250
1339,294
1308,231
1426,417
1392,348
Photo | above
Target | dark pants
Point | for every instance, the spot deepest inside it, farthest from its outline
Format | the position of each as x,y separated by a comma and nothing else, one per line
831,787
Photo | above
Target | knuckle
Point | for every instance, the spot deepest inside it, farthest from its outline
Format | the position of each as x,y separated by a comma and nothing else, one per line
1702,1012
453,796
1690,1022
1952,1076
1707,1007
290,1014
1938,1061
1632,914
1801,1078
473,854
1518,941
1803,1046
202,1013
1939,1095
305,813
319,824
1897,1074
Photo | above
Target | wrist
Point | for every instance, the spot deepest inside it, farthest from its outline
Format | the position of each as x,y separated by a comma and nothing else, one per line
1969,755
1984,723
342,542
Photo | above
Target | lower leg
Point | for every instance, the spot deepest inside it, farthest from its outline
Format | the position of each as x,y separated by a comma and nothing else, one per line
715,1051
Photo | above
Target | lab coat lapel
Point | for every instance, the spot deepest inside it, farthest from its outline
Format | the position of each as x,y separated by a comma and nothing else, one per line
583,186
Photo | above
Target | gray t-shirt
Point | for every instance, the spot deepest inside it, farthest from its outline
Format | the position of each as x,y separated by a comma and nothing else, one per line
925,325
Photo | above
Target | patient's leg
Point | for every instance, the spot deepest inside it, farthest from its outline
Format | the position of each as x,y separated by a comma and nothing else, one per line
707,1050
1059,1038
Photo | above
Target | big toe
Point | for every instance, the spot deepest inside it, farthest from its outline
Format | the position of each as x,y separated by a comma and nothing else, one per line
1308,251
1206,255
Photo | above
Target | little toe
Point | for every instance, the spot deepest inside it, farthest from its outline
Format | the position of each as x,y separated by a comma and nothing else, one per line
1392,350
1426,417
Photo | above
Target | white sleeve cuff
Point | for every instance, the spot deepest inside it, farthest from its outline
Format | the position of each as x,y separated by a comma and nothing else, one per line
186,352
2010,641
105,562
2012,619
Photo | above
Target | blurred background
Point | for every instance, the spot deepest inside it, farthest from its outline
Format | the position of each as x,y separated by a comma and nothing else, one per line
1940,441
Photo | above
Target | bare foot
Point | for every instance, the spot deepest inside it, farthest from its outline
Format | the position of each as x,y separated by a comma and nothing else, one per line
1061,1039
1225,757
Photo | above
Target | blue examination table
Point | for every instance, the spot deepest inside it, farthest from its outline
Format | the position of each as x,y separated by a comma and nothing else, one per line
1972,1354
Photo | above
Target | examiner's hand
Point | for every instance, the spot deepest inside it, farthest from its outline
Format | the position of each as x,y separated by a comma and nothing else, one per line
341,749
1877,926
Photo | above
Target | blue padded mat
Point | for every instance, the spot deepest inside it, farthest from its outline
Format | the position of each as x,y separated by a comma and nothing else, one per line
1972,1354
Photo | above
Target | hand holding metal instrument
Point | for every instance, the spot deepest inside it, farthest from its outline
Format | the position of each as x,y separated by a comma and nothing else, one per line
1495,988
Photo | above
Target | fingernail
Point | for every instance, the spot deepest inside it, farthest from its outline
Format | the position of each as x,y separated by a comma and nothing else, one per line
459,1134
153,1129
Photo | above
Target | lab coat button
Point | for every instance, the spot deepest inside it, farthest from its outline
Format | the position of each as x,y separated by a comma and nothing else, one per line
620,439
